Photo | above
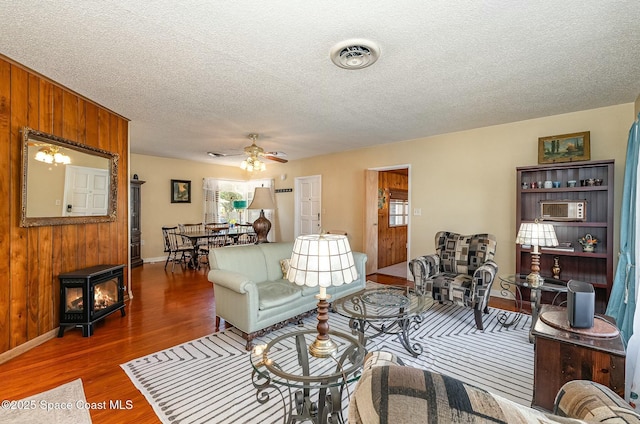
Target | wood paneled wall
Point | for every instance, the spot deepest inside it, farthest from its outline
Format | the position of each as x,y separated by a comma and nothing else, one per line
392,241
34,257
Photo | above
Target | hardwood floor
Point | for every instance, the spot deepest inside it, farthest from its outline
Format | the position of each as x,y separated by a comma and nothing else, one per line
167,309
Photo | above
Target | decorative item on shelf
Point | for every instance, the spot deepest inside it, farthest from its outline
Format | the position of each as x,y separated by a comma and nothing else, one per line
588,243
555,269
536,235
322,260
262,200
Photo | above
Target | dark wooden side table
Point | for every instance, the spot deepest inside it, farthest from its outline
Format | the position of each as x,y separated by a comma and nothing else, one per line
563,354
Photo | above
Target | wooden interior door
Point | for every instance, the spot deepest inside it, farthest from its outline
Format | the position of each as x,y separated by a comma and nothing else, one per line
393,184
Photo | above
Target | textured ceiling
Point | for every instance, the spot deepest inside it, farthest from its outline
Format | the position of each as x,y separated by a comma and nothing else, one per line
198,76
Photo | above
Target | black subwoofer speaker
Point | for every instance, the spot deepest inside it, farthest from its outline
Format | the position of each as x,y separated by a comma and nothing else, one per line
581,300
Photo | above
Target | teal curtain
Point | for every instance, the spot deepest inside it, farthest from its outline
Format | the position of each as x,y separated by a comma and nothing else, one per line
622,302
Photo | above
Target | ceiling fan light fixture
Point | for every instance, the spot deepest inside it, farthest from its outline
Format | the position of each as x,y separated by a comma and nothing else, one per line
355,54
51,154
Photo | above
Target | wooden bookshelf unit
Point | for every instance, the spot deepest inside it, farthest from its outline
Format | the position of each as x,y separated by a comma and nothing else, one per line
593,267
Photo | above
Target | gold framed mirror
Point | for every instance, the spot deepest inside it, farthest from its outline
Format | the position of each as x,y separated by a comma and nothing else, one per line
64,182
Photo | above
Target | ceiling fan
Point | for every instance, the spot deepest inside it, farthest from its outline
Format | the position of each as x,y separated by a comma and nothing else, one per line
254,152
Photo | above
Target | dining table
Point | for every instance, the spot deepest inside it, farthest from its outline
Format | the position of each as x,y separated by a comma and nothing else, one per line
233,233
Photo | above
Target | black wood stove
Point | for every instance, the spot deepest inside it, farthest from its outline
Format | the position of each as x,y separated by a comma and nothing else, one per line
90,294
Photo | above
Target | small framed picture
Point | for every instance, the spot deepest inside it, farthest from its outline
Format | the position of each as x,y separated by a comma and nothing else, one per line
180,191
564,148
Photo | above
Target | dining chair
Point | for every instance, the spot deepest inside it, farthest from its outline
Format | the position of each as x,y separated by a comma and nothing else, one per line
201,247
220,240
176,250
246,238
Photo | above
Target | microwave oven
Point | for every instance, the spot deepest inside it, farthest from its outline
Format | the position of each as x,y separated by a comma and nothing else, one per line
563,210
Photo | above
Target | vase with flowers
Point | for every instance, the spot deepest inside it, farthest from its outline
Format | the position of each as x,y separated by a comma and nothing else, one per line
588,243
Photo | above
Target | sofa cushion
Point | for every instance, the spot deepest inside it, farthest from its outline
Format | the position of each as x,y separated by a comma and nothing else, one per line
456,288
284,267
276,293
273,253
243,259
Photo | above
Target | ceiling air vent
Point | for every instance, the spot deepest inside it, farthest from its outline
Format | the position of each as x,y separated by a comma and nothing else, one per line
355,54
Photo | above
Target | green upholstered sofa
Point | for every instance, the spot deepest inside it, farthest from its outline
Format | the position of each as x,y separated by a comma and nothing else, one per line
252,294
388,392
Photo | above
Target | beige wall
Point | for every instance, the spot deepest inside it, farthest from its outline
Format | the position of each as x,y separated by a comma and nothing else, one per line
462,181
637,106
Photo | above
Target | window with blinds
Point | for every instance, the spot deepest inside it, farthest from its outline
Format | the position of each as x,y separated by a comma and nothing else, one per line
398,207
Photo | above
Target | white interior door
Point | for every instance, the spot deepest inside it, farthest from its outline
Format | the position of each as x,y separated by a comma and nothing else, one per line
308,205
86,191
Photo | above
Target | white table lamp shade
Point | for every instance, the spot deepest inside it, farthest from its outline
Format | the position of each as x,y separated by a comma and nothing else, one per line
322,260
537,234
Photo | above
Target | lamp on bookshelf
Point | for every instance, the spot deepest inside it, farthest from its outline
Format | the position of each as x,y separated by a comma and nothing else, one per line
536,234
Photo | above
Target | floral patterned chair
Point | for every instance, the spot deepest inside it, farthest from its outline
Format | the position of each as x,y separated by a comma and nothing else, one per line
461,271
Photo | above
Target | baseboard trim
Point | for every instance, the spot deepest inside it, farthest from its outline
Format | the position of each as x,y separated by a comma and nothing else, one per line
24,347
154,260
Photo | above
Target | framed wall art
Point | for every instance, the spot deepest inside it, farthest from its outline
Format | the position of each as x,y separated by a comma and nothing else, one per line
180,191
564,148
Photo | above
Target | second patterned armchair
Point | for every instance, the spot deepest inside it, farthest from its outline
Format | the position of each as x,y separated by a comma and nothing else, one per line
461,271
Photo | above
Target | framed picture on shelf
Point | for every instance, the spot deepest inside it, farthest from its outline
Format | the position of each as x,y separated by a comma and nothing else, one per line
180,191
564,148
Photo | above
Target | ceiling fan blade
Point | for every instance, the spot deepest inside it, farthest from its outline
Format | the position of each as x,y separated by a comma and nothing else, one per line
275,158
223,155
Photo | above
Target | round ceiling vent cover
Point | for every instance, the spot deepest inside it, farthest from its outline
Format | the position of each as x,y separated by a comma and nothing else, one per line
355,54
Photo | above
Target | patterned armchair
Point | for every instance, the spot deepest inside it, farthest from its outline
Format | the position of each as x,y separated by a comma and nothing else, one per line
461,271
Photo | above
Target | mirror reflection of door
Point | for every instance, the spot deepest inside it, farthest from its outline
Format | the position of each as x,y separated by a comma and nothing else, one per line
308,205
86,191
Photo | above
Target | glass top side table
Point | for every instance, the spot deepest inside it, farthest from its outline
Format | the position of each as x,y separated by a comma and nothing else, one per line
519,281
386,310
285,368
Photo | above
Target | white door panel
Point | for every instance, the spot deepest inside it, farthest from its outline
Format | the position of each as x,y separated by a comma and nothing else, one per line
86,191
308,205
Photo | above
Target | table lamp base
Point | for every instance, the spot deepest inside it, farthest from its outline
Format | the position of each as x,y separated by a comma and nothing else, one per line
323,348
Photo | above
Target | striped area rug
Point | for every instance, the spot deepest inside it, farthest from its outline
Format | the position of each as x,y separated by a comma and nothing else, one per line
208,380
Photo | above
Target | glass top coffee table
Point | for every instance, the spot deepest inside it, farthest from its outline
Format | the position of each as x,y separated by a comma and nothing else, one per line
385,310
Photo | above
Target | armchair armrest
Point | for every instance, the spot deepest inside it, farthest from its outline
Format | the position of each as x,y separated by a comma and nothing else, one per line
481,283
381,358
235,281
423,268
485,273
592,402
